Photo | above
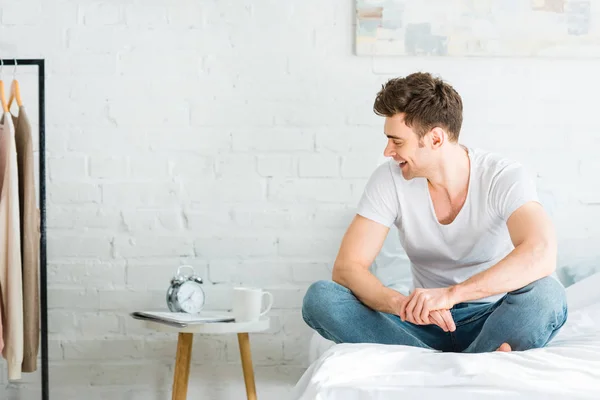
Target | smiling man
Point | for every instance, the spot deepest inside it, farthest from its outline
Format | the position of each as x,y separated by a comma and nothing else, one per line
481,246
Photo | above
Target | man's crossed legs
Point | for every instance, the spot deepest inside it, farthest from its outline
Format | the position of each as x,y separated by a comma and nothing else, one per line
526,318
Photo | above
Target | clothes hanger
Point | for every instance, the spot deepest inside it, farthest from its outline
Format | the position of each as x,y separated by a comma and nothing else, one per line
15,89
2,95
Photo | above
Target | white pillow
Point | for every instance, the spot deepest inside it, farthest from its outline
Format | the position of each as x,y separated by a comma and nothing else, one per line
584,292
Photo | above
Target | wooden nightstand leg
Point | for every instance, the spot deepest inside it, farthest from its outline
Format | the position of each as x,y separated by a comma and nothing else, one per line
182,366
246,355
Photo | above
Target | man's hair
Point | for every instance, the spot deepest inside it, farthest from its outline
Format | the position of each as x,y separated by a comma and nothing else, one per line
426,101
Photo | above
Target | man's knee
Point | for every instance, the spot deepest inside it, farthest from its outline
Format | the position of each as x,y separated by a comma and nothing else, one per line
545,290
546,296
319,299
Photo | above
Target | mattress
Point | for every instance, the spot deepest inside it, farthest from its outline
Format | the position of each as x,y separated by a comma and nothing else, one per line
567,368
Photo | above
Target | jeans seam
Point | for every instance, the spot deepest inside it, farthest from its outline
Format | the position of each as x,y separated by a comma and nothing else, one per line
341,288
307,320
554,329
453,340
473,319
311,324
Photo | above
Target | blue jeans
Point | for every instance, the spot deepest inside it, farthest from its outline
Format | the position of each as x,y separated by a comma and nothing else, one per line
525,318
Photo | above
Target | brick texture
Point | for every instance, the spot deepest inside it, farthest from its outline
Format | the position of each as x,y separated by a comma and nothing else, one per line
237,136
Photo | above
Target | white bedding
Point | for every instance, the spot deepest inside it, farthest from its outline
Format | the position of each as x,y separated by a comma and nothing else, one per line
568,368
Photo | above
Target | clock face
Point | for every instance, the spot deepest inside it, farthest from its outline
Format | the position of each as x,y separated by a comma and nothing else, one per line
190,297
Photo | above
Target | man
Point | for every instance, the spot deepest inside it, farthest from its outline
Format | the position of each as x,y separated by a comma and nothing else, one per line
481,246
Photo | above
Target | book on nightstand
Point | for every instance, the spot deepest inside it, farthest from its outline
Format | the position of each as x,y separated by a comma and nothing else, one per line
181,319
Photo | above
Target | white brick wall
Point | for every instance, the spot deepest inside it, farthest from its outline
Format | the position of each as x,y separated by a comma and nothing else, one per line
237,136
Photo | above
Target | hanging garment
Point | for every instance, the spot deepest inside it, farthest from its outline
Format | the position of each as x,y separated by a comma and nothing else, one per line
1,334
11,280
30,240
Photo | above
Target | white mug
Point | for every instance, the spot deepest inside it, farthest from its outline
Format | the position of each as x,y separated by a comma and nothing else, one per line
247,304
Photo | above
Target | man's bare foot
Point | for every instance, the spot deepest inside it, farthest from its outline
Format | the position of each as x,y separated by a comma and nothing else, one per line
504,347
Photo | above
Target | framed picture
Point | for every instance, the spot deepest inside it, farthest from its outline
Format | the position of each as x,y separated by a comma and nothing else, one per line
536,28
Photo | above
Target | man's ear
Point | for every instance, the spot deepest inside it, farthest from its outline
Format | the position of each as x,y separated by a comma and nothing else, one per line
437,137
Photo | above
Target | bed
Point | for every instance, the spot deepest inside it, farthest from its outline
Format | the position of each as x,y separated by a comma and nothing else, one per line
568,368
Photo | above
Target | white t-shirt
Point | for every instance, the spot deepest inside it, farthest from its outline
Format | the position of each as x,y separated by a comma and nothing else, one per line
444,255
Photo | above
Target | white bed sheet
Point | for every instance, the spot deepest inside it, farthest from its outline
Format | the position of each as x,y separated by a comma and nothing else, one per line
568,368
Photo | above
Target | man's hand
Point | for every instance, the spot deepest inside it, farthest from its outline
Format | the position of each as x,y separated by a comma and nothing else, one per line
421,302
441,318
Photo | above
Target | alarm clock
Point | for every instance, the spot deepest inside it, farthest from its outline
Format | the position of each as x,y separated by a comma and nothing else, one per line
185,294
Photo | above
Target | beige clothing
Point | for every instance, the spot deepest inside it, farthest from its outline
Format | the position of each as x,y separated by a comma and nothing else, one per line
30,240
11,281
1,334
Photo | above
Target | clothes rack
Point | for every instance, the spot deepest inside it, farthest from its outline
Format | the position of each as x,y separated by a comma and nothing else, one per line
39,62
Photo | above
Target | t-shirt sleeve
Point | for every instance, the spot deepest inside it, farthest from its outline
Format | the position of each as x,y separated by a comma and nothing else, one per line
514,186
379,201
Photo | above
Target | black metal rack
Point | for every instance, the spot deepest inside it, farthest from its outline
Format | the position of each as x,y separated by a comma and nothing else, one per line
42,205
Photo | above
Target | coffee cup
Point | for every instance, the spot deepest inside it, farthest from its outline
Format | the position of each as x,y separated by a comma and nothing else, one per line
248,303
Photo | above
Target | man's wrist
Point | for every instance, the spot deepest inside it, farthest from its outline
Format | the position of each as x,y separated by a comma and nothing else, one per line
394,302
457,293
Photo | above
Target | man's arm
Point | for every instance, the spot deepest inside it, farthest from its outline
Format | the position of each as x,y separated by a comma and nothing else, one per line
361,244
533,257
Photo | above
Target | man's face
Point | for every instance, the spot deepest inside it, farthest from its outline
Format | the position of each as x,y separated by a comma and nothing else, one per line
405,148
